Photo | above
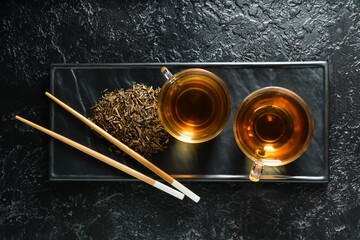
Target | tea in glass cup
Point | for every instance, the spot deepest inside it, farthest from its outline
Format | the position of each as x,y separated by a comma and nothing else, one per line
273,126
194,105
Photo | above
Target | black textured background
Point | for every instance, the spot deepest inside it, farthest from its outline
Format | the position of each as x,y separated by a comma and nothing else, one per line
35,34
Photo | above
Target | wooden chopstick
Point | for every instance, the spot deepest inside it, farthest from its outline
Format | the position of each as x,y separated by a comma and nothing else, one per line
128,150
105,159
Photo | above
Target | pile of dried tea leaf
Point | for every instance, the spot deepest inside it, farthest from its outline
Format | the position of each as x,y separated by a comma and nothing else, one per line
131,117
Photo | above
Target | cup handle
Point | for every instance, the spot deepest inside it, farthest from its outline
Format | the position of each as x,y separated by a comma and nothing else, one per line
256,171
166,72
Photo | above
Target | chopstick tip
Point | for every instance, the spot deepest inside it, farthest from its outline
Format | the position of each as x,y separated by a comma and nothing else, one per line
169,190
17,117
186,191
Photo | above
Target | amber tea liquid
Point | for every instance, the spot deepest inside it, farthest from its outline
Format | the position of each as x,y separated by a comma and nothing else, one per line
273,127
195,107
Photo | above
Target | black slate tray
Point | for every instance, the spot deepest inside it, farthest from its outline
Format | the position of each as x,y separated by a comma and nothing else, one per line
220,159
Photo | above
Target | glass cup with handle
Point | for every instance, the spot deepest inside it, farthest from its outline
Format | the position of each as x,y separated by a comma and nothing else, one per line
273,126
194,105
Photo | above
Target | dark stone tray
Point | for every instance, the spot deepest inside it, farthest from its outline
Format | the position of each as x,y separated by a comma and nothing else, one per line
220,159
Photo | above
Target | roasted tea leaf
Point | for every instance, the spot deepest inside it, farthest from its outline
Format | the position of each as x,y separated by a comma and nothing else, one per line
131,117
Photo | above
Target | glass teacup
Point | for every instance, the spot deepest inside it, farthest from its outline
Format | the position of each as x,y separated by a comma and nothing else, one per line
273,126
194,105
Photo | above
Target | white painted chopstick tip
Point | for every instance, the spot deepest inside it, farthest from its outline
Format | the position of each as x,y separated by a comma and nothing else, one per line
186,191
169,190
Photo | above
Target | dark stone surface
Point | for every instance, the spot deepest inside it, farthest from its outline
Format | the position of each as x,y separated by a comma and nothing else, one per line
219,159
35,34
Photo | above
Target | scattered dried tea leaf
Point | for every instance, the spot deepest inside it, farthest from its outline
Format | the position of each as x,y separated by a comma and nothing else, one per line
131,117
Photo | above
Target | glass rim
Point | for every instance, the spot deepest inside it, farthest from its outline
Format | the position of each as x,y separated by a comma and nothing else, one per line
164,90
302,103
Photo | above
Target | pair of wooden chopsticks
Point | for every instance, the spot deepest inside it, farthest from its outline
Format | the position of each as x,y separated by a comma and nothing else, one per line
114,163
